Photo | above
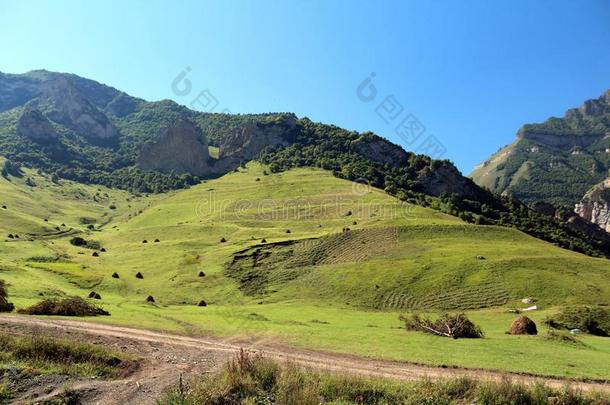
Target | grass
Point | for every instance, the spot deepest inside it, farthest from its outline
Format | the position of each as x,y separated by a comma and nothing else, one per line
255,380
318,286
39,355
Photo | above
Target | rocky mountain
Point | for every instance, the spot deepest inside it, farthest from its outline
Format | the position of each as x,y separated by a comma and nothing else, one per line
104,134
557,161
595,205
180,147
79,129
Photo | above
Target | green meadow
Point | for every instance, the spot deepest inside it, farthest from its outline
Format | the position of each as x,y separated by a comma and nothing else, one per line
280,265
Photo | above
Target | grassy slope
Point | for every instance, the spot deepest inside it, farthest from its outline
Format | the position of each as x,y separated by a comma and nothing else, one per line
343,306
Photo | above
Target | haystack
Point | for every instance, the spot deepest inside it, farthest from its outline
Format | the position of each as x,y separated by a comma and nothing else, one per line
202,303
139,275
150,299
115,275
201,274
523,326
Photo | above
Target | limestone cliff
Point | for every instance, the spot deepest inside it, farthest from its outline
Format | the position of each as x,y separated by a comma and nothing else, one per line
247,142
35,126
595,206
180,147
64,104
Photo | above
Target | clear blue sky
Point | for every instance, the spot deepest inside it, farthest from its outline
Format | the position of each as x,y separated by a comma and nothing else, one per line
471,71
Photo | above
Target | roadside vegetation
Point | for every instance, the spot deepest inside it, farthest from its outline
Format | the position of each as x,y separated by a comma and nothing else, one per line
251,379
23,358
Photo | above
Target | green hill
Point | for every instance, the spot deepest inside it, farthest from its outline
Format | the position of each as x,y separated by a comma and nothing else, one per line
290,270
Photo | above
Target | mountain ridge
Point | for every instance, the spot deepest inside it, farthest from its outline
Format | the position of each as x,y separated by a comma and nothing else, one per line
100,135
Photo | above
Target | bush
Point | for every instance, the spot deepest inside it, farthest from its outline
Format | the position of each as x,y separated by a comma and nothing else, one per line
591,319
73,306
78,241
453,326
5,306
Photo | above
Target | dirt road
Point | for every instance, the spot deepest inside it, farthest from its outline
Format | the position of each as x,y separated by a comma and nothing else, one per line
167,356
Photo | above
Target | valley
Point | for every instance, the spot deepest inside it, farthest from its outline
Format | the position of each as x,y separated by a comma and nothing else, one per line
323,287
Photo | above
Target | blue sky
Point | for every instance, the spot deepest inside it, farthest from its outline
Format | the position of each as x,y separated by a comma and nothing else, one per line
471,72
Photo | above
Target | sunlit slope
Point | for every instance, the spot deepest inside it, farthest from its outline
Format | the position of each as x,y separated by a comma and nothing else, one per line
285,240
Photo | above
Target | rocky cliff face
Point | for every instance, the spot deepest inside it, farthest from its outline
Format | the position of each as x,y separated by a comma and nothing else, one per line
376,148
181,147
246,143
445,178
35,126
65,105
595,206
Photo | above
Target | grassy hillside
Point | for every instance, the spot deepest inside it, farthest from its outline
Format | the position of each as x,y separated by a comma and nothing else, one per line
289,270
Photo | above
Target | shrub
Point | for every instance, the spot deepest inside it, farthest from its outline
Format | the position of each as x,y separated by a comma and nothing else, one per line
81,242
139,276
73,306
115,275
591,319
453,326
5,306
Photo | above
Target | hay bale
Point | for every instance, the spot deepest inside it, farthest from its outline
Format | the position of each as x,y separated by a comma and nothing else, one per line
523,326
115,275
95,254
139,275
103,250
144,241
222,240
202,303
10,236
288,231
150,299
16,236
201,274
157,241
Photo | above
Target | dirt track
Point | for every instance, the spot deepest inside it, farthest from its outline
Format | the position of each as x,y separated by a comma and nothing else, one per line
167,356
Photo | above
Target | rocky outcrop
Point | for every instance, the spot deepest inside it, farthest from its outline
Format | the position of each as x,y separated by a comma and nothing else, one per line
376,148
595,206
180,147
443,177
65,105
246,143
563,141
35,126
